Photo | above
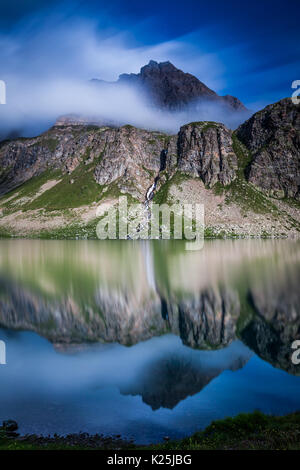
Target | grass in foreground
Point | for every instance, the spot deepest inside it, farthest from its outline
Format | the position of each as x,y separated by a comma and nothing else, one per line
254,431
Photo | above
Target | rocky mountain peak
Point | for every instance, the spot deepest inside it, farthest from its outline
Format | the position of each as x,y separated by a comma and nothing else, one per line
171,88
157,67
165,87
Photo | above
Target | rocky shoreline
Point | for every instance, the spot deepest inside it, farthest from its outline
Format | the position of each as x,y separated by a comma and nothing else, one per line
255,431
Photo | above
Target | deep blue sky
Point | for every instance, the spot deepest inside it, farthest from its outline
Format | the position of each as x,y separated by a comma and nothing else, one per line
257,43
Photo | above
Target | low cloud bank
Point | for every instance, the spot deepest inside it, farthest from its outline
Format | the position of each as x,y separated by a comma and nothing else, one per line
47,63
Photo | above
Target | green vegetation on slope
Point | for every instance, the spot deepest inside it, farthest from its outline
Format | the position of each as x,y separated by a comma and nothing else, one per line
28,189
205,125
162,195
75,190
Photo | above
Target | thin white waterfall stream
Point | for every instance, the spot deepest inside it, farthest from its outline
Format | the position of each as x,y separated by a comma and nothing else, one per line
149,264
150,193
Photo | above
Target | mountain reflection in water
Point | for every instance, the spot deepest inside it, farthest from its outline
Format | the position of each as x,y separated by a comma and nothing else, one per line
191,319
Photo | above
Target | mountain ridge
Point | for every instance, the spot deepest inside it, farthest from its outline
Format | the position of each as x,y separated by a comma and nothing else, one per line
164,87
171,88
59,179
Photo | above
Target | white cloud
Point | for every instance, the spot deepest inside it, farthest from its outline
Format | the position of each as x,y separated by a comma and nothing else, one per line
47,64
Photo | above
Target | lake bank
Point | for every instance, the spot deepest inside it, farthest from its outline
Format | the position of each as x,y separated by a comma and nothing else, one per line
252,431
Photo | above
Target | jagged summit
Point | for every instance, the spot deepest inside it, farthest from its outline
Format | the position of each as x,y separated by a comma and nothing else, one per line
170,87
164,87
166,66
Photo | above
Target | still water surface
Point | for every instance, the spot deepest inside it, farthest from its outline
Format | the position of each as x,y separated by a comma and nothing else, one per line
145,339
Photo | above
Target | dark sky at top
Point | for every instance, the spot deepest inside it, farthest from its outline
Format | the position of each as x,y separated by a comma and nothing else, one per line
257,42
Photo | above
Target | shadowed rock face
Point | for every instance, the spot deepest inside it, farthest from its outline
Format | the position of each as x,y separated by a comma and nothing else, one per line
205,150
209,320
128,156
276,325
273,137
171,88
171,379
131,158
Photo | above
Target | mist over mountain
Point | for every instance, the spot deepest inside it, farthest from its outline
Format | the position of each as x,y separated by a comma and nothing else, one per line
50,51
172,88
161,97
167,98
49,62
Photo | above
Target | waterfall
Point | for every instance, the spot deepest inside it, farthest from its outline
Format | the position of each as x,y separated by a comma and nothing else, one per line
162,167
149,264
151,191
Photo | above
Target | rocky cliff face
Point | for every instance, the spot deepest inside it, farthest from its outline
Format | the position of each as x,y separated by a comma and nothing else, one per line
171,379
273,138
205,151
124,155
80,166
171,88
130,158
60,148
